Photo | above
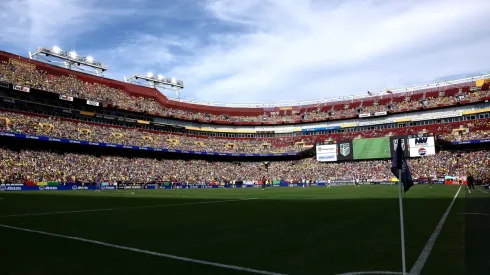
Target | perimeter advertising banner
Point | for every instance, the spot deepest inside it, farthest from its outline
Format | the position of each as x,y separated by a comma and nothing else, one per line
22,88
12,187
93,103
422,145
327,152
475,141
66,97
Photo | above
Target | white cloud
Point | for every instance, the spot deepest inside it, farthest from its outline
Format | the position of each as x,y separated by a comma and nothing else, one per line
269,50
144,50
296,50
34,23
142,53
37,21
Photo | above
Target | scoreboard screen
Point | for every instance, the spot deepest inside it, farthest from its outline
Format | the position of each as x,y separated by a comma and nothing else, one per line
371,148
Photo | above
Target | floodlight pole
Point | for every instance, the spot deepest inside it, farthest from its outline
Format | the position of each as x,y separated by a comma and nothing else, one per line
157,82
402,226
99,72
68,61
175,89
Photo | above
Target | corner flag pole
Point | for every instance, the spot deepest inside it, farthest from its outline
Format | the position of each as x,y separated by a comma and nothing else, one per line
402,226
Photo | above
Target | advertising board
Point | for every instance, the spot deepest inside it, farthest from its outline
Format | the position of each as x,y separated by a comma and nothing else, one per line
422,146
345,151
326,152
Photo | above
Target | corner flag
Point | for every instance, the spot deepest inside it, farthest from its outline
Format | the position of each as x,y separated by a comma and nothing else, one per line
400,163
400,169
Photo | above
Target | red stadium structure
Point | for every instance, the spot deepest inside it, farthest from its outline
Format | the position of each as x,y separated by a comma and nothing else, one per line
456,113
438,96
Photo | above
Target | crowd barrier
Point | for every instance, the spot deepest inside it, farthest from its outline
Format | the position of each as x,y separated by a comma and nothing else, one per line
153,186
19,187
102,144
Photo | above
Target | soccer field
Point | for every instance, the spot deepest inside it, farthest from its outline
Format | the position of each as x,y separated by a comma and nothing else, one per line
235,231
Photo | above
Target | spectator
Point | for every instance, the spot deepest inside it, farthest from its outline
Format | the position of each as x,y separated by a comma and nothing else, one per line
41,166
72,86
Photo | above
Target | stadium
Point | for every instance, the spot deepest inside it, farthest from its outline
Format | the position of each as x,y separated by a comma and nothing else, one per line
112,176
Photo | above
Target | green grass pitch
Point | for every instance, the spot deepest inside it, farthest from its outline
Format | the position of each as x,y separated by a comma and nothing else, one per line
284,230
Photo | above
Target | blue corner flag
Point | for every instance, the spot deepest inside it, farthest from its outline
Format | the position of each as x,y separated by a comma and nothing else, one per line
399,162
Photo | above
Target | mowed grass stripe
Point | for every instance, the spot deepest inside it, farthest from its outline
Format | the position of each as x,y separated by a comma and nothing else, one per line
49,201
118,208
424,255
476,233
185,259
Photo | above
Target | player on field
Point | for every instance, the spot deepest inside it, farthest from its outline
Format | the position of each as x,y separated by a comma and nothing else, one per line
429,181
98,183
471,182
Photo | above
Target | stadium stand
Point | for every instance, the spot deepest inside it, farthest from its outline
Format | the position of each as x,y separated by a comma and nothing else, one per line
141,99
466,102
77,130
30,167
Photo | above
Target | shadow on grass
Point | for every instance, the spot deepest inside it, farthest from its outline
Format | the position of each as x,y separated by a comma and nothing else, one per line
293,236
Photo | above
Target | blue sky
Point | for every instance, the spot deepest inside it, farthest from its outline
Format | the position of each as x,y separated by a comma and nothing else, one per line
263,51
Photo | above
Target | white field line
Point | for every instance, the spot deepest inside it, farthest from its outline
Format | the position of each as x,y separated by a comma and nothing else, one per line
370,272
234,267
481,190
118,208
424,255
483,214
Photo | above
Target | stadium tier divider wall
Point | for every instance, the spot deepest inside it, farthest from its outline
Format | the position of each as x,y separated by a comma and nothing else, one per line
133,147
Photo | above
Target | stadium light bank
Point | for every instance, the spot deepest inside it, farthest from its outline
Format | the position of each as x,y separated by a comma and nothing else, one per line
71,60
157,81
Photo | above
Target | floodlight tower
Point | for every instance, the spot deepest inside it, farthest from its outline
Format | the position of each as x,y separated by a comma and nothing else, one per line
70,60
157,81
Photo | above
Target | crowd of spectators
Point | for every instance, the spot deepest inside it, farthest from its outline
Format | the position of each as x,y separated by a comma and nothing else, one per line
475,130
406,105
42,166
72,86
374,109
76,130
453,164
